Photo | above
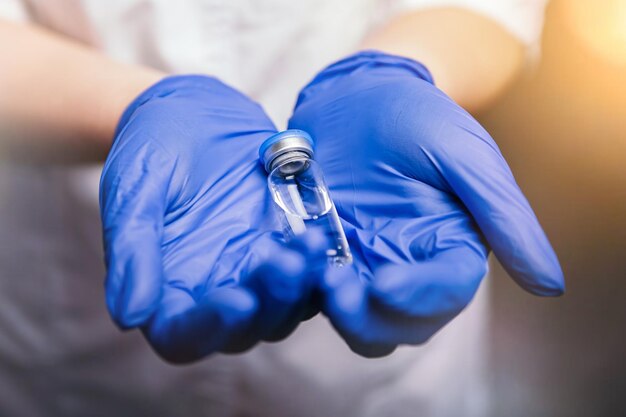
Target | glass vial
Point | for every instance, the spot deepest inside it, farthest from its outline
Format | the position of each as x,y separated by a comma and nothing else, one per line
297,186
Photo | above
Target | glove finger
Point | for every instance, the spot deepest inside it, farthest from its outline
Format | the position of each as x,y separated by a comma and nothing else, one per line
183,330
132,204
345,303
474,168
369,328
284,285
437,287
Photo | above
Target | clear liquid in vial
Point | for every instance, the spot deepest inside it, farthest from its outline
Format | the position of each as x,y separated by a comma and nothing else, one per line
298,189
338,251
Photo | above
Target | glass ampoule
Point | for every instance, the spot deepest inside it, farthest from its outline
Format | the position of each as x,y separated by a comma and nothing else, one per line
298,189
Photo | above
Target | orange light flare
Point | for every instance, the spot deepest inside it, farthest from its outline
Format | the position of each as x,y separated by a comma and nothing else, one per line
600,25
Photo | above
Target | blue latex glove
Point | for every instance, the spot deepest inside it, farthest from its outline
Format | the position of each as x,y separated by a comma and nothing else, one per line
191,249
416,180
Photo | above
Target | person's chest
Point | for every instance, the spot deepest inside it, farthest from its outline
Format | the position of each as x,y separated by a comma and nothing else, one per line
266,48
188,35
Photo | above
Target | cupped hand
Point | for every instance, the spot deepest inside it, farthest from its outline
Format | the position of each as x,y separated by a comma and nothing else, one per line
191,248
424,192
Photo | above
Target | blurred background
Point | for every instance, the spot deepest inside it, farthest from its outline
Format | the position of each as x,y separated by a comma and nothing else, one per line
562,128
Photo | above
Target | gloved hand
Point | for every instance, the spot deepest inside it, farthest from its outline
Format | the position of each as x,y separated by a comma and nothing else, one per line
416,180
191,249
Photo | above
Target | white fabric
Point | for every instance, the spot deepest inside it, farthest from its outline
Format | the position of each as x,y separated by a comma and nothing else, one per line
59,353
13,10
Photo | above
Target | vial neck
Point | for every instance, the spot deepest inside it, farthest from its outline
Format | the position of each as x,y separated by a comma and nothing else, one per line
290,162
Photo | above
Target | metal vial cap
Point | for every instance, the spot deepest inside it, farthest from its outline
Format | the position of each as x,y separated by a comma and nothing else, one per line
280,144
